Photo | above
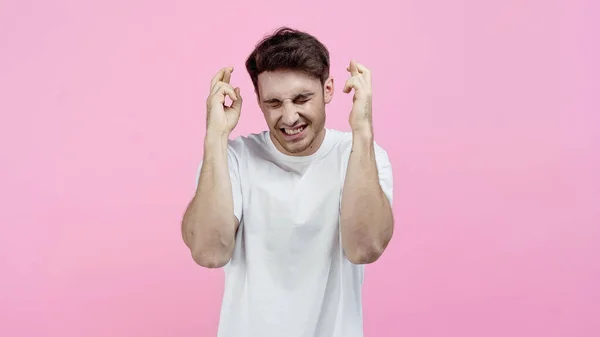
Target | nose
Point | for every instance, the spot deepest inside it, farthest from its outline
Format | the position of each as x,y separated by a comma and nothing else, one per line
290,114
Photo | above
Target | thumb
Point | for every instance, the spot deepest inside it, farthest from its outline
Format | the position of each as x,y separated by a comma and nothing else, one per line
237,104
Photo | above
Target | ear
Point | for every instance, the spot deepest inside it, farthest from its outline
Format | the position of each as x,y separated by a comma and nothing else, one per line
328,90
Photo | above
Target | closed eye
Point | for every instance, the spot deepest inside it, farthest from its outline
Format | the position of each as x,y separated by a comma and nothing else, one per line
303,98
301,101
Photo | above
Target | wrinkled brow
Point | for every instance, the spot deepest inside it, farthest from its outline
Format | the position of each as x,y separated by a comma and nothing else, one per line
301,96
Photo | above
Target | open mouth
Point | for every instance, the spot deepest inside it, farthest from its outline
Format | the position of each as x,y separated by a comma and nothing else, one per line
290,132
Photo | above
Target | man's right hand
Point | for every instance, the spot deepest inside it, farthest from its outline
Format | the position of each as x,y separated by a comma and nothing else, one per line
222,119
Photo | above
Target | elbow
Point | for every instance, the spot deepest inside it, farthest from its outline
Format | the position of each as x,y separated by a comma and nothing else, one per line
364,254
210,259
366,249
209,250
211,254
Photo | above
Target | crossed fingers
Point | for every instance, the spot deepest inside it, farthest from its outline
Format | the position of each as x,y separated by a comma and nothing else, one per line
360,79
220,85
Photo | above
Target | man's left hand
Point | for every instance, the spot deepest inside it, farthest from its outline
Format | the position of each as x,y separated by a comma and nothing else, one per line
360,80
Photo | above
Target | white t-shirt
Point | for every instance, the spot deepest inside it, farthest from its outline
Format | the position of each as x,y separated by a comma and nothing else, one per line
288,276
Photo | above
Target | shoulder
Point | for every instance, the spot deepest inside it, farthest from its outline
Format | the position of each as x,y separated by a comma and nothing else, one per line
244,145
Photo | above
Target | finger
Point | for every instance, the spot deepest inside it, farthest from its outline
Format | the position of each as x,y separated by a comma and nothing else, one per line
223,89
237,104
227,75
219,86
215,88
216,79
352,68
228,91
363,70
350,84
219,77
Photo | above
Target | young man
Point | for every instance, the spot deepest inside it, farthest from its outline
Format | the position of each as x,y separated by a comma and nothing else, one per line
292,213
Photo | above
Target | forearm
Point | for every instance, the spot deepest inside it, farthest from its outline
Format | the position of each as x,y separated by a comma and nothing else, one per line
366,215
208,224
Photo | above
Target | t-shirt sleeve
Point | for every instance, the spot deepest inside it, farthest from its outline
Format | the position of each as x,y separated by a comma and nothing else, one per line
384,168
234,175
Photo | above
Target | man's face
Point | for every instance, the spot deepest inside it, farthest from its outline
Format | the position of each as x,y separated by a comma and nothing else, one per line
294,107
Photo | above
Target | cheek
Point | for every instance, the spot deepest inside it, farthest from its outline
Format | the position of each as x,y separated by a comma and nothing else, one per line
313,111
271,116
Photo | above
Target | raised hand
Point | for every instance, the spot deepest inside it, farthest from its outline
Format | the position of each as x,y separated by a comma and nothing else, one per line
360,80
221,118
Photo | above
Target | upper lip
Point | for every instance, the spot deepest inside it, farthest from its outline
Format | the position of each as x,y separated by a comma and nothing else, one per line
293,127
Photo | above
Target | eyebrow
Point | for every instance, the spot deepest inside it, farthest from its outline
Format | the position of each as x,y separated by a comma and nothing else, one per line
303,95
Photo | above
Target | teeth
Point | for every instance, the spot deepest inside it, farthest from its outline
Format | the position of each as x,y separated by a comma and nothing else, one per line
294,131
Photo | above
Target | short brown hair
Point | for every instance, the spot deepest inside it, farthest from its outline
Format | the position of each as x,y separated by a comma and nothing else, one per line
289,49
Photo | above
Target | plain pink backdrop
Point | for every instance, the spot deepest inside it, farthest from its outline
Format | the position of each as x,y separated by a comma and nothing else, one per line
489,111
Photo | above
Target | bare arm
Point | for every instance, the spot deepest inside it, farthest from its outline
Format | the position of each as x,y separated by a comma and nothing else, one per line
366,217
209,225
367,222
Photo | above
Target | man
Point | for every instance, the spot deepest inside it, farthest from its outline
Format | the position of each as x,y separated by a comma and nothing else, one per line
293,213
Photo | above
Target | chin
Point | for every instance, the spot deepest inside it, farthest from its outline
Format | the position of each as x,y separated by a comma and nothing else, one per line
298,143
296,149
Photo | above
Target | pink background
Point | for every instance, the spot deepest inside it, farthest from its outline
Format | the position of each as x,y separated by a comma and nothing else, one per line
489,111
